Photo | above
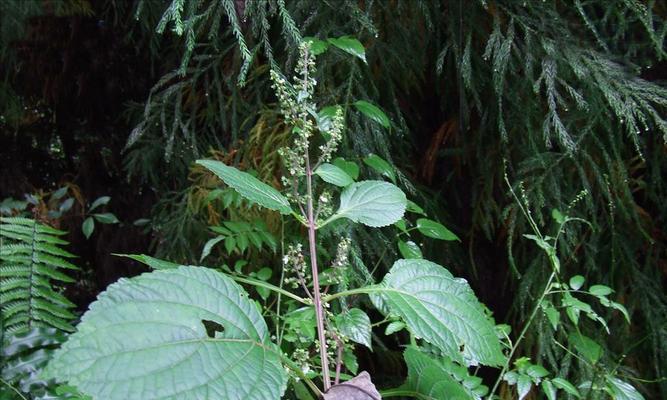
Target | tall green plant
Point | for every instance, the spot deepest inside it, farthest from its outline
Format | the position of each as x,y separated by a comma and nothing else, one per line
192,332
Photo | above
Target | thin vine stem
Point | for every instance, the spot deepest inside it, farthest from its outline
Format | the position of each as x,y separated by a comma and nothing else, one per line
533,314
4,382
256,282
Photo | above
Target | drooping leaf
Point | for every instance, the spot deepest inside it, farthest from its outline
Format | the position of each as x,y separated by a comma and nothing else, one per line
248,186
576,282
400,224
537,371
264,274
621,390
409,249
394,327
141,222
151,337
435,230
106,218
415,208
87,227
428,378
558,216
548,389
600,290
350,361
230,244
553,315
349,45
317,46
100,201
373,203
586,346
66,205
334,175
443,310
350,167
60,193
565,385
381,166
152,262
373,112
209,246
356,325
523,385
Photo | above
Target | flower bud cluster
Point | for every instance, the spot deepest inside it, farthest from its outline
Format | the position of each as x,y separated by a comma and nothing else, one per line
324,205
294,264
297,106
342,254
335,136
285,93
333,338
305,84
340,263
302,358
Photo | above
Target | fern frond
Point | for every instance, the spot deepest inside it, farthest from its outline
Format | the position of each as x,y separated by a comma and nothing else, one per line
29,260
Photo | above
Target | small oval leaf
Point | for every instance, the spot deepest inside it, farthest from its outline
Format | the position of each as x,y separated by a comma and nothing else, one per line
435,230
409,249
373,203
381,166
576,282
356,325
349,45
100,201
88,226
333,175
373,112
350,167
106,218
317,46
600,290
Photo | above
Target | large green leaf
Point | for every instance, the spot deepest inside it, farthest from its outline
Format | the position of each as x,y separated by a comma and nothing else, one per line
186,333
443,310
373,203
429,380
248,186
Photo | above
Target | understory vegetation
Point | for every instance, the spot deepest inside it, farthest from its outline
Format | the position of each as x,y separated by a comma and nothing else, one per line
344,199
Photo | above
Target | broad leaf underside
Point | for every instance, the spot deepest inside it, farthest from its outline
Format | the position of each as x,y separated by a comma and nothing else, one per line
146,338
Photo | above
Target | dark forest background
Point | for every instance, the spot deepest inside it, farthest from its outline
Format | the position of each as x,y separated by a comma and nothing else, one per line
118,98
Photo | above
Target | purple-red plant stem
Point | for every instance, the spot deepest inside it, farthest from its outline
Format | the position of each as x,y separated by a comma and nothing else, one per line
319,315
